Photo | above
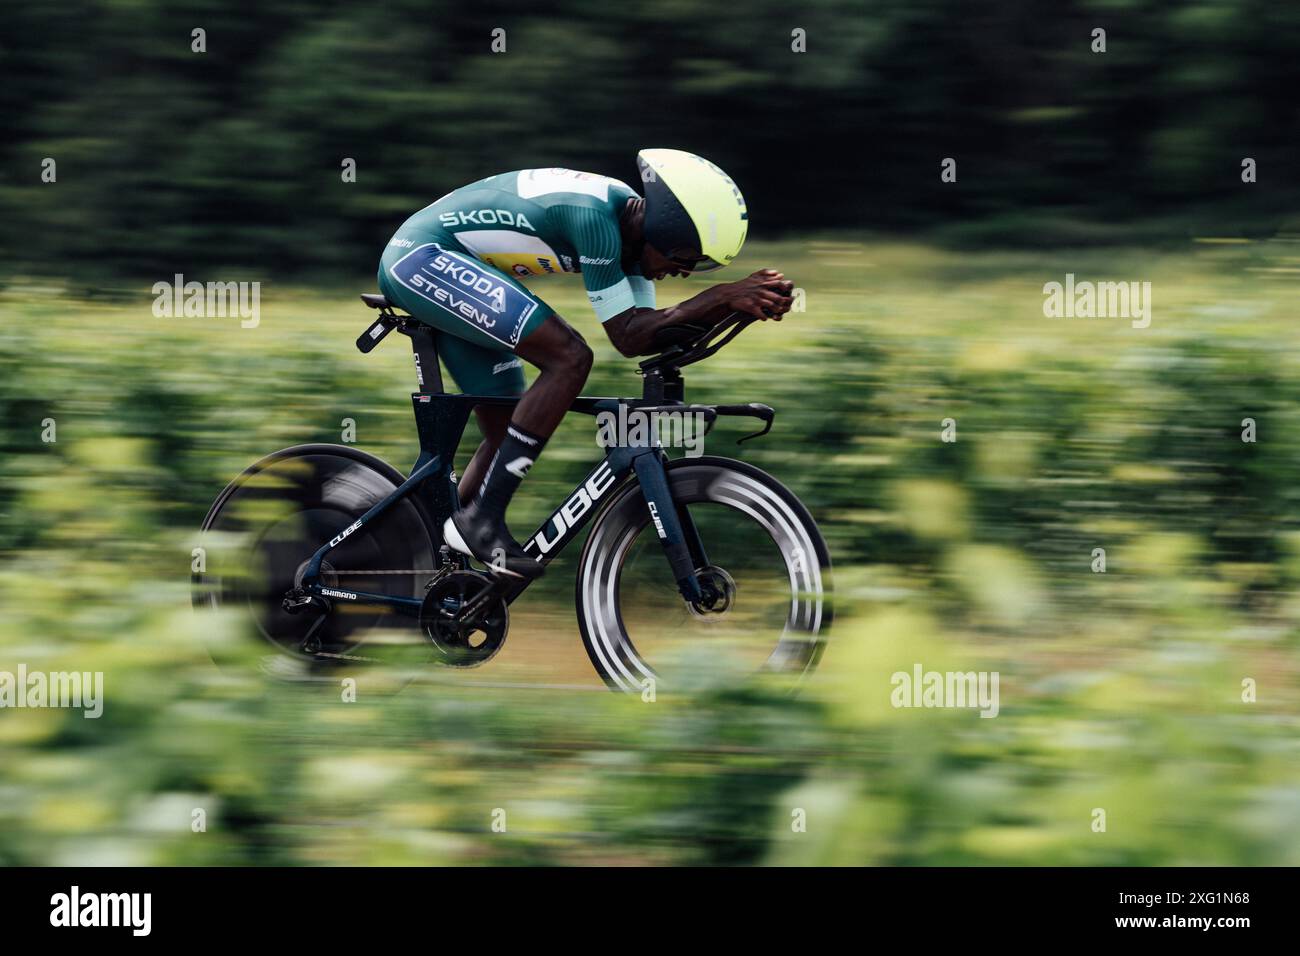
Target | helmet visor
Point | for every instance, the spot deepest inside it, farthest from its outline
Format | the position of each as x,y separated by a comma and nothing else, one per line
706,264
691,260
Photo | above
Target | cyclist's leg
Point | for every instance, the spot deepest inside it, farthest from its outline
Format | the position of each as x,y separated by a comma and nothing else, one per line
470,300
482,371
564,360
443,286
479,528
492,423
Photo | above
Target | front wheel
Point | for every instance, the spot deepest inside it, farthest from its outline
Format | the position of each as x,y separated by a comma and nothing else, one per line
764,562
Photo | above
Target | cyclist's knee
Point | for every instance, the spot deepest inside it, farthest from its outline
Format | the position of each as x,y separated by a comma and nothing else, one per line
558,350
568,355
578,358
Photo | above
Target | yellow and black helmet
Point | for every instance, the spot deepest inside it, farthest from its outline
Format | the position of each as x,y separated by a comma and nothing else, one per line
694,212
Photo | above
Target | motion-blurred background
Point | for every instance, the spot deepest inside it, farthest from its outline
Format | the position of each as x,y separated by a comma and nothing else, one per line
1120,690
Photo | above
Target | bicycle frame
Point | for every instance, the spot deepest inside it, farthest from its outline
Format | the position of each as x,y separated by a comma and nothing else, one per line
440,419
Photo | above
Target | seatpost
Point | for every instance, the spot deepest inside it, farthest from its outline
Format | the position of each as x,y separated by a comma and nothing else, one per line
428,373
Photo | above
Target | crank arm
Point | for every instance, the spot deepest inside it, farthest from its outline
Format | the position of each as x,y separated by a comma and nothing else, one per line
496,587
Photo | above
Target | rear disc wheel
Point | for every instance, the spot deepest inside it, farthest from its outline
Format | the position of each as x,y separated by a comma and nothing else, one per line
264,528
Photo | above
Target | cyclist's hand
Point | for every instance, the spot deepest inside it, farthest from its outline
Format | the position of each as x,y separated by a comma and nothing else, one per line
765,295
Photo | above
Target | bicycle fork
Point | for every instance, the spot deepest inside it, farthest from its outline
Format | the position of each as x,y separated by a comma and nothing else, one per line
676,529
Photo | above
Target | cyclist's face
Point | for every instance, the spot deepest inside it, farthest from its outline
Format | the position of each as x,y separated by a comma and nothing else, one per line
654,265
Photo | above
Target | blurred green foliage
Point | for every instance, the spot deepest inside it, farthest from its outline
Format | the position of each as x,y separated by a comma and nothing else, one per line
1119,690
171,160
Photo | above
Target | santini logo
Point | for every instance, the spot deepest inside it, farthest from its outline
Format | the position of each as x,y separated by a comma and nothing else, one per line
102,909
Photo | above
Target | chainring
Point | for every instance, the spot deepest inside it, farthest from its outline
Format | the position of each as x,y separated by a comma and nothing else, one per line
465,641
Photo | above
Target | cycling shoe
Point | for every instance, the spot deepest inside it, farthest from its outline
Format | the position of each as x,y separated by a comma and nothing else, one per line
490,543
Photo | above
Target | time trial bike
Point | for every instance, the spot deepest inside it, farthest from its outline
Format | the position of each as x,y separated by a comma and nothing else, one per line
333,557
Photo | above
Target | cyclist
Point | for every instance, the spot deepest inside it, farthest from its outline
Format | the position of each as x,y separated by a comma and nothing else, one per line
456,265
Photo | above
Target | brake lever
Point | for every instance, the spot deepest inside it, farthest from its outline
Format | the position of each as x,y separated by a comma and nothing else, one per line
767,427
765,413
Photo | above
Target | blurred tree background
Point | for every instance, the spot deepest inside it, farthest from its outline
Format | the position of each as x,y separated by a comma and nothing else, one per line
170,158
1120,690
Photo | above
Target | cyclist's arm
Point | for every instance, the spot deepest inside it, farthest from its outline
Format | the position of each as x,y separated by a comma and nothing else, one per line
764,295
595,236
620,301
